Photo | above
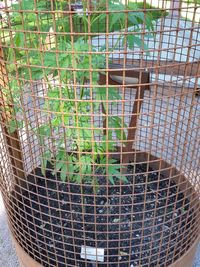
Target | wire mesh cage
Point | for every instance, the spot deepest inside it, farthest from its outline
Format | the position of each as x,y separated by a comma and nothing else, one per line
99,135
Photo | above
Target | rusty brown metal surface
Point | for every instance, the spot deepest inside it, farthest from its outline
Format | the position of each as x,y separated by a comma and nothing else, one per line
12,139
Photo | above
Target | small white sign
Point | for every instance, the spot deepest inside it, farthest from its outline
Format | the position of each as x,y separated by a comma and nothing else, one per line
80,13
93,254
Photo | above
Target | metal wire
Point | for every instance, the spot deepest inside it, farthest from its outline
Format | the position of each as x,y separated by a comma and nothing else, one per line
100,117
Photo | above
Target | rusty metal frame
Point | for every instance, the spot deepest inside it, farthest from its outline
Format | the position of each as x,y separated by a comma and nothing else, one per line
158,105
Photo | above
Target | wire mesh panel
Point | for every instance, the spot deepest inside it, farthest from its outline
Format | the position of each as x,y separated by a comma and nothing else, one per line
100,116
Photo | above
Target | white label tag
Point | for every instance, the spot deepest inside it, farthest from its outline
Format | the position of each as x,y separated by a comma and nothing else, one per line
93,254
80,13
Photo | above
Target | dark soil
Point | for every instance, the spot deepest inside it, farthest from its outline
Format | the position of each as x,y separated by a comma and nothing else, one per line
143,223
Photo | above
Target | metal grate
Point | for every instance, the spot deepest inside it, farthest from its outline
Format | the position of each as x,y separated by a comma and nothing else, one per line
100,130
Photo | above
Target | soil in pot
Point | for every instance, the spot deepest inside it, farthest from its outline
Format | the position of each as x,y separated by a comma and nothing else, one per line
142,223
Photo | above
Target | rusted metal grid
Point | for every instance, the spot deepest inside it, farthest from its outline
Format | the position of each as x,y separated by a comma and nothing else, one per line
100,130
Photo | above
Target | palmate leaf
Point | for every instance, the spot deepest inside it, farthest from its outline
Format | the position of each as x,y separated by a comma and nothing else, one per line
84,140
84,133
133,40
19,39
63,172
145,19
59,165
86,164
107,143
35,71
116,19
101,95
116,122
45,158
50,59
113,170
96,20
64,164
24,5
149,22
82,169
43,132
31,4
61,100
132,19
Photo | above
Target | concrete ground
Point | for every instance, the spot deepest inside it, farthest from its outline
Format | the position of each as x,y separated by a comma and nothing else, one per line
7,252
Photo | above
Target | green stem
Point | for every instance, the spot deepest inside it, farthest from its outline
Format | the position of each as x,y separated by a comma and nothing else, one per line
82,88
48,82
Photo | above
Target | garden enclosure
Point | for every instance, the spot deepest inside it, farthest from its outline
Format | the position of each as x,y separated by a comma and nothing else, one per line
100,131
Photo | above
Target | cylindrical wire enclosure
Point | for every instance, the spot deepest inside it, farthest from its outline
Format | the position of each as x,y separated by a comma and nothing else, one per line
99,131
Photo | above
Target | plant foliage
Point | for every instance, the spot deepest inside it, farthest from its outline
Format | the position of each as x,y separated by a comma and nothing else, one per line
73,104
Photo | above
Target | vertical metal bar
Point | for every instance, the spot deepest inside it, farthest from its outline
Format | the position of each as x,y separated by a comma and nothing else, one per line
175,8
133,123
12,139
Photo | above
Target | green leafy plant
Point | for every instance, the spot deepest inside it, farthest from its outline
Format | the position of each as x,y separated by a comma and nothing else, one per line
81,147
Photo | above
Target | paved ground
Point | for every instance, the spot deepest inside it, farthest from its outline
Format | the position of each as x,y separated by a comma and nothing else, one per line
7,252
